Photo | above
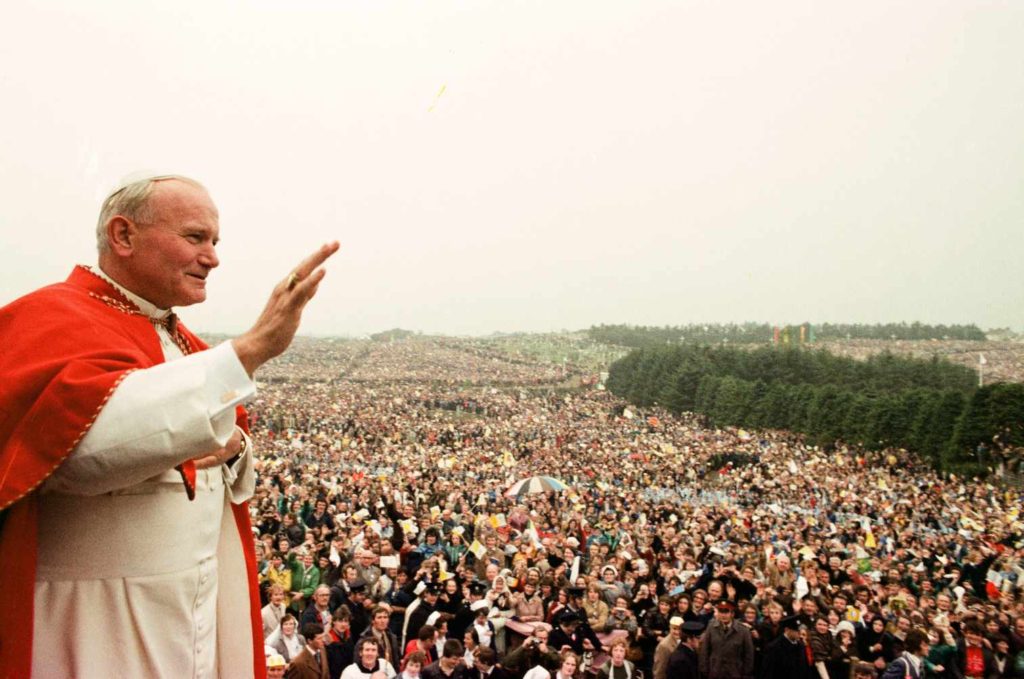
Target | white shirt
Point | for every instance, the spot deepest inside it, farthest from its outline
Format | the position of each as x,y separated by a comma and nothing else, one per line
132,575
356,671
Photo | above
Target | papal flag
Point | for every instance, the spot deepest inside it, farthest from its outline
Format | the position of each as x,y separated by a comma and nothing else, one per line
531,532
477,549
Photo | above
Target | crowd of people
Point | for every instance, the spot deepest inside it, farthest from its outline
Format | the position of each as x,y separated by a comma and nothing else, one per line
388,543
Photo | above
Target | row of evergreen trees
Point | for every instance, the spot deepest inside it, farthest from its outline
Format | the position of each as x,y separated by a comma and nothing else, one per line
928,406
901,331
638,336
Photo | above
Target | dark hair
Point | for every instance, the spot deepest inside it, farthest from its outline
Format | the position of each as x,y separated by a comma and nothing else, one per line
915,639
452,649
974,627
486,655
426,633
341,613
366,641
379,609
418,657
864,668
311,630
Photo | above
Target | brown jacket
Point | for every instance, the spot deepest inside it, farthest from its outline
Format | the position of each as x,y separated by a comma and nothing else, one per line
662,653
305,666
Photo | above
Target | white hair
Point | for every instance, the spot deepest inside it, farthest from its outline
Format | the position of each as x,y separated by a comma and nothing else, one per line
131,200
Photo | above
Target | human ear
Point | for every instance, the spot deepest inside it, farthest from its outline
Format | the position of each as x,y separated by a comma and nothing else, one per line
121,233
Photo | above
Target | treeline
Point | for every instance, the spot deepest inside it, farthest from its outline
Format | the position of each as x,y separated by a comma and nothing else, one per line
638,336
902,331
392,335
928,406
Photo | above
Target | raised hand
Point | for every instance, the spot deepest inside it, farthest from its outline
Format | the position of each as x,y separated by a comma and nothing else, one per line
277,324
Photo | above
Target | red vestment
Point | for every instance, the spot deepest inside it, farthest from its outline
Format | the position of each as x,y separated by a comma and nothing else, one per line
63,351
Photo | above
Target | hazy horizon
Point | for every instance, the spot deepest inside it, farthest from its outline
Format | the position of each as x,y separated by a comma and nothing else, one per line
531,167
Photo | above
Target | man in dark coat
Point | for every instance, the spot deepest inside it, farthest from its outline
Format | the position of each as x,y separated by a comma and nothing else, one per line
387,642
683,663
726,649
532,652
340,647
574,596
357,606
565,633
786,656
419,610
464,615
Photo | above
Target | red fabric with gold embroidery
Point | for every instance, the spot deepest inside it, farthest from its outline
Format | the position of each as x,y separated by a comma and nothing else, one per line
63,351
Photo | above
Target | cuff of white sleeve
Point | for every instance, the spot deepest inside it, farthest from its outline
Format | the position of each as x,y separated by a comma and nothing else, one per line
227,382
240,477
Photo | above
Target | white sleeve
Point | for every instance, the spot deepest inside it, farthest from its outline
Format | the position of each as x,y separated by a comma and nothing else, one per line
240,477
156,419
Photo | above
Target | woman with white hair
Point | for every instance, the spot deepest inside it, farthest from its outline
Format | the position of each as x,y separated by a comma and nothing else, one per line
502,608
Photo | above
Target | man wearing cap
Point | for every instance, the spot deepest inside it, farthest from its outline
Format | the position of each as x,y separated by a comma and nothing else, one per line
359,605
113,409
566,633
786,657
667,646
465,614
683,663
574,606
276,666
726,649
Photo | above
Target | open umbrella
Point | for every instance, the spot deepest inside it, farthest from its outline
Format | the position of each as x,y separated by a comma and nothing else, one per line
535,484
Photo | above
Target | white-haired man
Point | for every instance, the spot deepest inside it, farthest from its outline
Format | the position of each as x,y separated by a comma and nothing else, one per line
124,462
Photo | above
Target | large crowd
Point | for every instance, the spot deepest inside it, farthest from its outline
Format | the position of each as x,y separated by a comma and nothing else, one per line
388,542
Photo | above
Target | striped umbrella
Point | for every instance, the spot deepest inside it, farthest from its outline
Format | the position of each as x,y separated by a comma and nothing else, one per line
535,484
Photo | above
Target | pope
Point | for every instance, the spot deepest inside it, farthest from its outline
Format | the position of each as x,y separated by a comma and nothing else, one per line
125,460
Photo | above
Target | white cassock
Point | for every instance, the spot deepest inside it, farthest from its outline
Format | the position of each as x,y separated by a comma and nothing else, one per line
133,579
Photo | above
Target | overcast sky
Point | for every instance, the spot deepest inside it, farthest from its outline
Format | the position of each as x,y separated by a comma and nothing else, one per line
587,162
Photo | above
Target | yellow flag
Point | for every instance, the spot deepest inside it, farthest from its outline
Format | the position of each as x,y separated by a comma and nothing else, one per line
869,541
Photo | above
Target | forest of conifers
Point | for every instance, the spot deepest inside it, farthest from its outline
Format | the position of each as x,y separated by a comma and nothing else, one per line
929,406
